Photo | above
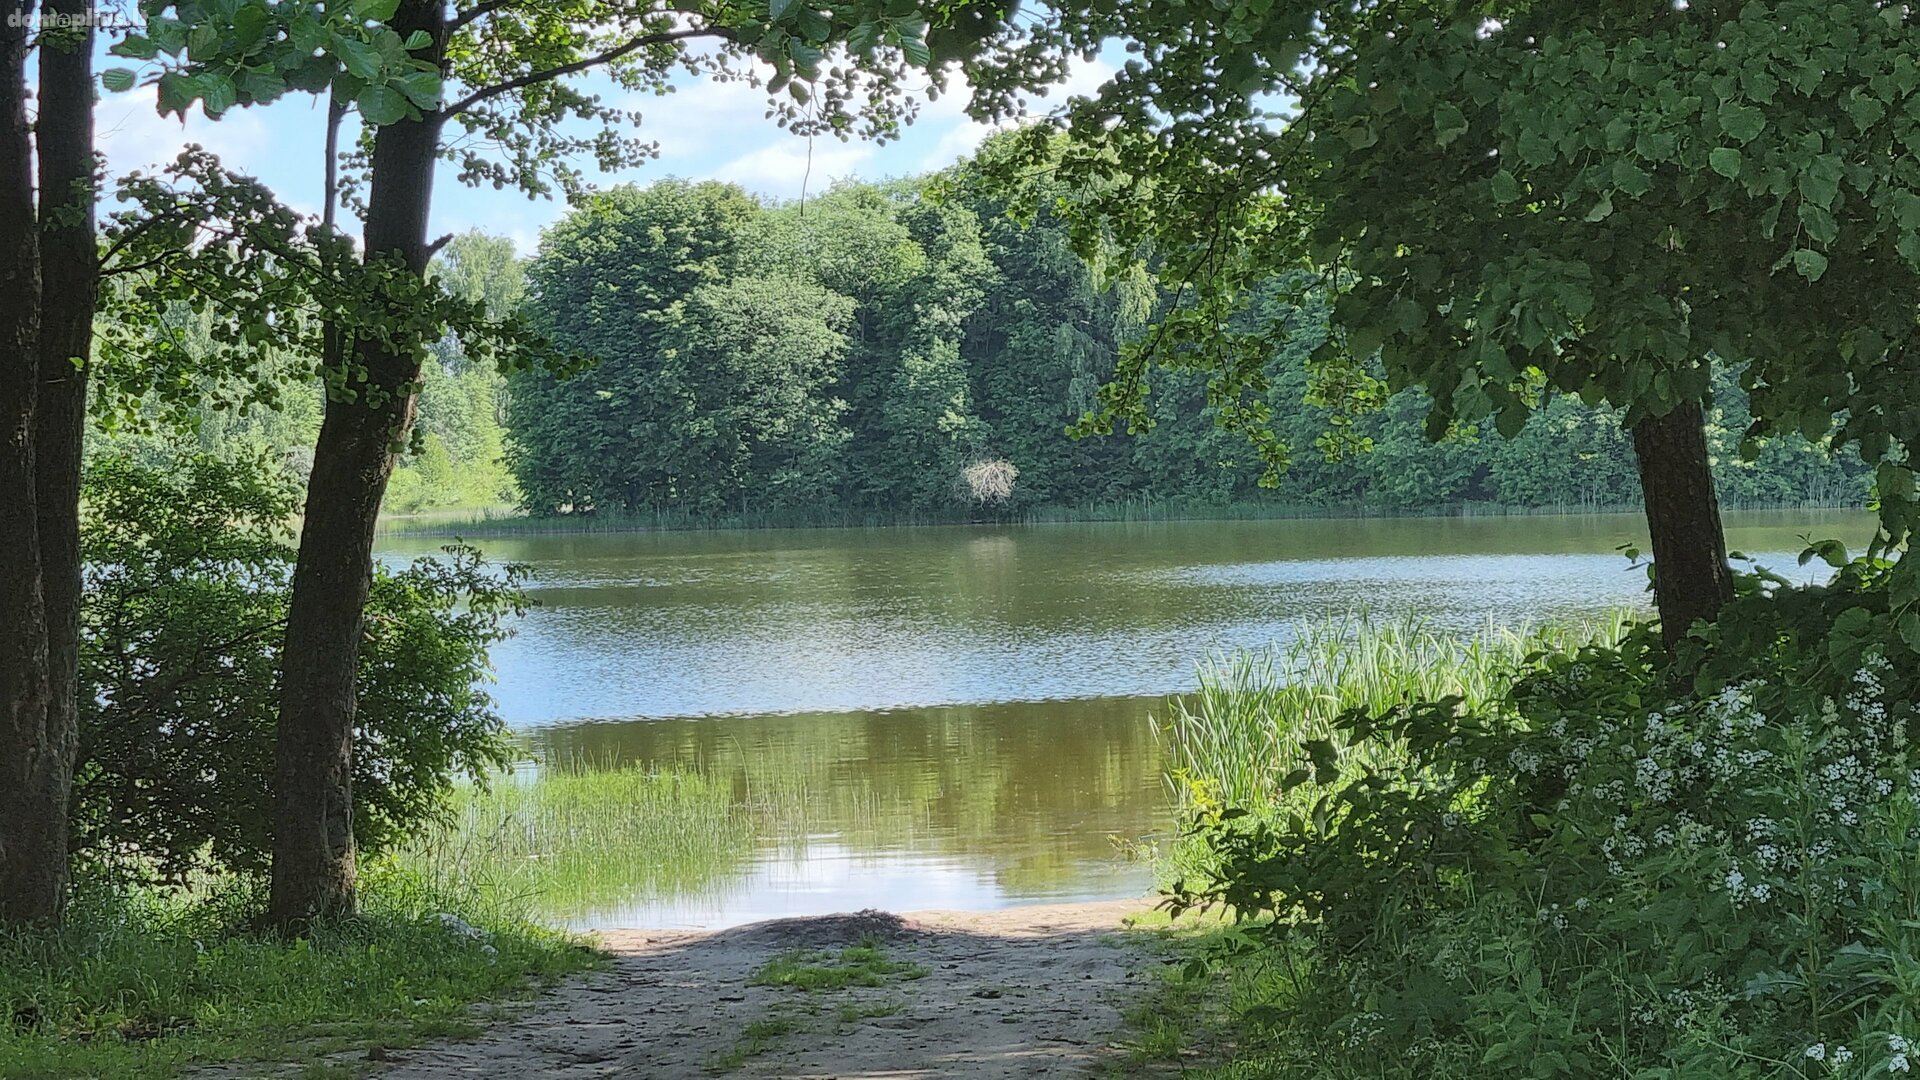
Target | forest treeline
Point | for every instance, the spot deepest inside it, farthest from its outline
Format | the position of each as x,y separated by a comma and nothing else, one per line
857,352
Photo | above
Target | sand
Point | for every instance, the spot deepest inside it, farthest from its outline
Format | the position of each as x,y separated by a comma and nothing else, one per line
1031,991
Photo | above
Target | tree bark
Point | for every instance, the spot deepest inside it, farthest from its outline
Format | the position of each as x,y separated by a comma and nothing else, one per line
69,273
32,832
361,431
1691,578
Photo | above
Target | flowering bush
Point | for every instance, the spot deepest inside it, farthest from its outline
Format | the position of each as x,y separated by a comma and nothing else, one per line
1617,870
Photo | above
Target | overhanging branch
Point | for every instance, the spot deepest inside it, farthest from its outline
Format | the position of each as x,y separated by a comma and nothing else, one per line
534,77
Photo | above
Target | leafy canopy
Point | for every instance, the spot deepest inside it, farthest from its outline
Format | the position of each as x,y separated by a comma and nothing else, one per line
1513,200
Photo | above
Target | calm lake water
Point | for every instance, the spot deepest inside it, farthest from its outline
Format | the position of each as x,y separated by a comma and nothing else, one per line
967,708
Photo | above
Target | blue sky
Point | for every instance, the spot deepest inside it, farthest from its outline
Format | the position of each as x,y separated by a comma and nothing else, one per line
705,130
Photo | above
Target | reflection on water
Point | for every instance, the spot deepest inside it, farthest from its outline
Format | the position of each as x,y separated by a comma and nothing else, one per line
957,715
963,806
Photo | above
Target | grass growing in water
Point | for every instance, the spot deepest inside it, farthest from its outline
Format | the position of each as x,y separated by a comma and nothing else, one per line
1235,740
149,984
572,840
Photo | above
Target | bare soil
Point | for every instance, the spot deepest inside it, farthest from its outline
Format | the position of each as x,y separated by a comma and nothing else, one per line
1033,991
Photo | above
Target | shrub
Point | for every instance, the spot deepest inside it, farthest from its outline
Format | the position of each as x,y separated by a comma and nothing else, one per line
1613,869
186,589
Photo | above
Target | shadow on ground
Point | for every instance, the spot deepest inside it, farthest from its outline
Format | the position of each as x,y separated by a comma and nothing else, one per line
1034,991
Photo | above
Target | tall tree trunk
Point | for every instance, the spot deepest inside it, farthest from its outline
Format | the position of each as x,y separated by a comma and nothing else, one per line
33,826
313,853
1691,578
69,272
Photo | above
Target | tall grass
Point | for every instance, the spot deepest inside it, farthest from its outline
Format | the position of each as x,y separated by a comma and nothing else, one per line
1232,742
572,840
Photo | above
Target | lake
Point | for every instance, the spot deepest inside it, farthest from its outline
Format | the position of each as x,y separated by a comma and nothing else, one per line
961,714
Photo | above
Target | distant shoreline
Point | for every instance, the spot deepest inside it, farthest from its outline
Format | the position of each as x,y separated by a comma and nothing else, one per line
508,522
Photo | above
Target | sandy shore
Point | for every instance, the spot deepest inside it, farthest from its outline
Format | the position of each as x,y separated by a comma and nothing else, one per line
1033,991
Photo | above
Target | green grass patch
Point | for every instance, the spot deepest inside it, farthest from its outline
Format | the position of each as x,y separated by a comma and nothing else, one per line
148,985
864,964
755,1039
570,841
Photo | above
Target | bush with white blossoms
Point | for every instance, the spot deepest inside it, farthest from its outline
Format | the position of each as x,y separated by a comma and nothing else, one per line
1704,867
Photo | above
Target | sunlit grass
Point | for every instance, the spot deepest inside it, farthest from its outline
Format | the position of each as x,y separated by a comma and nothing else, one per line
573,840
1232,742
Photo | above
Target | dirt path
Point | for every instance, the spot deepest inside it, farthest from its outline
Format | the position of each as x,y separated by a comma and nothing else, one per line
1035,991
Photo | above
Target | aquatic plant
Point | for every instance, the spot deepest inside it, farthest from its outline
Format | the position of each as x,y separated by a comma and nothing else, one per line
570,839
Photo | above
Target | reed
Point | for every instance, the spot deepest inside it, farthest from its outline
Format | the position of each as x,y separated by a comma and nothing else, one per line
572,839
1231,742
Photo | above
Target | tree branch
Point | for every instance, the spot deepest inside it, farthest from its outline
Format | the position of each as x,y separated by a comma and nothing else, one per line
475,12
533,77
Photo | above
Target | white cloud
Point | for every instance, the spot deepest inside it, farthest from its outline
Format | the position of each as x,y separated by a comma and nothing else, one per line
133,135
788,167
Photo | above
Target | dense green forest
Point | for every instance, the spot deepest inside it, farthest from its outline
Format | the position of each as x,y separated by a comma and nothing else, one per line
857,352
860,350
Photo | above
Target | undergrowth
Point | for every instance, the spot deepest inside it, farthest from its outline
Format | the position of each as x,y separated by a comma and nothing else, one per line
1627,864
148,984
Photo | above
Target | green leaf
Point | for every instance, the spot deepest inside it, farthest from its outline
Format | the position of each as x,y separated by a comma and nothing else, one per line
1725,160
176,92
1602,209
202,40
1865,110
422,88
382,105
1506,189
1820,181
136,47
375,10
1906,209
1631,178
1741,122
360,58
262,85
418,40
1535,149
118,80
778,8
1810,263
1819,223
1910,630
1449,123
1909,248
217,92
916,51
249,26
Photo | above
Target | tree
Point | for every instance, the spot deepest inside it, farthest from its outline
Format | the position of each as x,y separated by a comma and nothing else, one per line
758,357
606,284
46,354
1518,200
495,70
36,735
194,232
